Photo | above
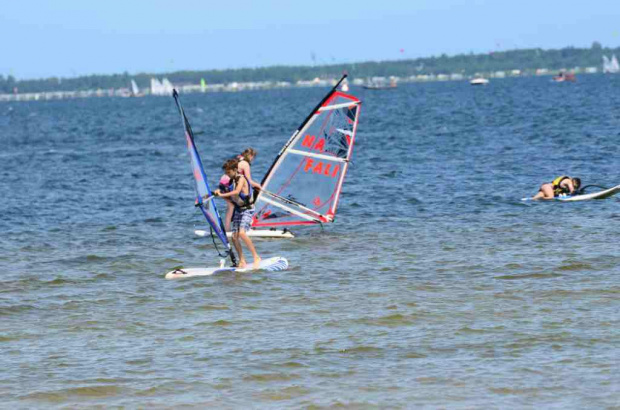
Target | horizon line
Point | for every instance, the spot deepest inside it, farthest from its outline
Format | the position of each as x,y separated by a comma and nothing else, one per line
443,55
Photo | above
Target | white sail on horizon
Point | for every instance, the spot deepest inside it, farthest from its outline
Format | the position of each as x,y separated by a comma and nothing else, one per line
135,91
611,66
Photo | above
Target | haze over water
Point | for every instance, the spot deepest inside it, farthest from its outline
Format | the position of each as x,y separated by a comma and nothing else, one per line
435,287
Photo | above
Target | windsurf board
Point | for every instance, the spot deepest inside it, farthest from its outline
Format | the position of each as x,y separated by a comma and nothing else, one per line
271,264
595,195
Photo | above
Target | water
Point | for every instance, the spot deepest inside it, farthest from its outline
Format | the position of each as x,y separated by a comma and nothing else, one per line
436,287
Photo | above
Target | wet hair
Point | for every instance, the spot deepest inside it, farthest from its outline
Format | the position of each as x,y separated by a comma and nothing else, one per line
247,153
231,164
576,182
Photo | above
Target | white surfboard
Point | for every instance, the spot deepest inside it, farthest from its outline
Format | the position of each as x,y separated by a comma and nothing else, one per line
271,264
257,233
595,195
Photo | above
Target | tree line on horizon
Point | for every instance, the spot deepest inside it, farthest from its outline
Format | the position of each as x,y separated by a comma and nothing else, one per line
466,64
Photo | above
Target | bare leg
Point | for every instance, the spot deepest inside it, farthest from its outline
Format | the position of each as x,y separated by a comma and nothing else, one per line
546,192
237,244
230,208
248,242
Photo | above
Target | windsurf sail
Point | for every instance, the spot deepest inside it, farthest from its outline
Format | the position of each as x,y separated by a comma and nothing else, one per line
204,196
303,185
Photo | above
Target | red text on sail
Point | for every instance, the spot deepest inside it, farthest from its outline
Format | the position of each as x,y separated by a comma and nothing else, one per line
315,166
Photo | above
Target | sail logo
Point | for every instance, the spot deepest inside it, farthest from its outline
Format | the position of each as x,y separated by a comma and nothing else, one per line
319,167
309,142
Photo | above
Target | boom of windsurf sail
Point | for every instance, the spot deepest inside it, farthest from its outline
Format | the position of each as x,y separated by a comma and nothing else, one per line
204,196
303,185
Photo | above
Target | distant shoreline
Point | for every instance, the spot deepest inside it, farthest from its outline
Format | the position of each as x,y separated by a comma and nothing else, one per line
462,66
252,86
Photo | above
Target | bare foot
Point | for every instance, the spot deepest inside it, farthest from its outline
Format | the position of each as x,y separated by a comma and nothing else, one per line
242,264
256,263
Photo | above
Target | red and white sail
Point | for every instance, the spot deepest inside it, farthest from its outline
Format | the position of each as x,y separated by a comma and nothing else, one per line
304,183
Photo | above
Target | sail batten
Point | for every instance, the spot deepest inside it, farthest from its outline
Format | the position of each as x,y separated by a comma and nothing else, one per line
304,183
313,155
335,107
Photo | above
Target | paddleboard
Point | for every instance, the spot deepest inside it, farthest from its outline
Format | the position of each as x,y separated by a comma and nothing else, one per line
595,195
256,233
271,264
584,197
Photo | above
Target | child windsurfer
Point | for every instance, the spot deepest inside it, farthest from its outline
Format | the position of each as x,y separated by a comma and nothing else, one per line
241,198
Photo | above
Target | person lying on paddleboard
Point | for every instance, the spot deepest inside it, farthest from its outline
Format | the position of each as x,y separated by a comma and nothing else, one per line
561,185
241,197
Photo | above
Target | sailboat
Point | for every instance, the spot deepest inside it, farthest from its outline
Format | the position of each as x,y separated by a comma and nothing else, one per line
156,87
611,66
135,91
167,87
205,202
376,84
304,183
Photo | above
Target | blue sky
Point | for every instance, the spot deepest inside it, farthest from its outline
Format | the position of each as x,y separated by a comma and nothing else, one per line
69,38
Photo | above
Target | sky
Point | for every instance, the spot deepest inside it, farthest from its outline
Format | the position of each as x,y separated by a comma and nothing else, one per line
68,38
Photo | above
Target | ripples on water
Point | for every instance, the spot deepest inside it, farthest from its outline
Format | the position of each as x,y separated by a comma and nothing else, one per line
435,287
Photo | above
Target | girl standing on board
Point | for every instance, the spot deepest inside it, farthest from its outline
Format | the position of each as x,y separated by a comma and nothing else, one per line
560,185
245,160
241,198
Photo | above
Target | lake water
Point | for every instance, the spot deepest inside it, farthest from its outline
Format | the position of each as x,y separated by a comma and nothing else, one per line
435,287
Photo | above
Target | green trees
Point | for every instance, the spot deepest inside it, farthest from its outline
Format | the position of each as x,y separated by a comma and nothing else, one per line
468,64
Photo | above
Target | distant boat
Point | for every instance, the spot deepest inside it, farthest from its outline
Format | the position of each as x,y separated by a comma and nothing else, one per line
135,91
376,84
611,66
161,88
614,64
167,87
156,87
561,77
479,81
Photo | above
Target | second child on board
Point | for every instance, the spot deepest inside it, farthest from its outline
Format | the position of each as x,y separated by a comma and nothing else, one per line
244,162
